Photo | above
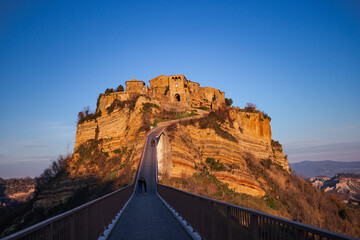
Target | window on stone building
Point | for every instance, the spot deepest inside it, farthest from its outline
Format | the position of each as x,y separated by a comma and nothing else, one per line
177,97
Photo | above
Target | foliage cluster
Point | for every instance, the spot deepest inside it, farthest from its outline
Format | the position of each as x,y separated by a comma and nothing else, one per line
228,102
86,115
276,144
122,104
120,88
166,90
147,107
215,165
55,171
165,115
215,120
206,184
297,198
92,156
203,108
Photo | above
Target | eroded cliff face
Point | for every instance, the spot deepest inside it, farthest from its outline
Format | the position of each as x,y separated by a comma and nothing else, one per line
107,147
191,146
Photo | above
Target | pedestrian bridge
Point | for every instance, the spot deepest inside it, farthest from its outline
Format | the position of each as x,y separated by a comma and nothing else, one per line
166,213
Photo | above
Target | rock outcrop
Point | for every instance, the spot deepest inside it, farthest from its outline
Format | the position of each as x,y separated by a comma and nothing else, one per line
16,190
183,148
345,185
122,118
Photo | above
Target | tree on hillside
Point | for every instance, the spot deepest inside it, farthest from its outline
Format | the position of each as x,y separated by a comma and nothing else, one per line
251,105
228,101
109,90
120,88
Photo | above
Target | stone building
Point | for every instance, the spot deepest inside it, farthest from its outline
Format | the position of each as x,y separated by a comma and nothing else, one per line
136,86
175,90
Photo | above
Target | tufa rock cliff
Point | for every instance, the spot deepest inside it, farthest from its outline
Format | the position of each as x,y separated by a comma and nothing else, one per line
225,134
212,141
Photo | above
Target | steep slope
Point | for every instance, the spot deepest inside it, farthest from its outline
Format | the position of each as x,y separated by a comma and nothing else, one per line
220,142
229,156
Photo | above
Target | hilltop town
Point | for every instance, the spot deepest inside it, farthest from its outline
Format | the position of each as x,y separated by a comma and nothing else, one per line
166,90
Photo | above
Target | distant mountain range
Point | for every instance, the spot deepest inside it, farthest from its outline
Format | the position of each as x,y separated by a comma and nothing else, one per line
309,169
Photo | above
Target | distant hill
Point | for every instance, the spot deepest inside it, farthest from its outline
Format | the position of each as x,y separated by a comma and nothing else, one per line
345,185
309,169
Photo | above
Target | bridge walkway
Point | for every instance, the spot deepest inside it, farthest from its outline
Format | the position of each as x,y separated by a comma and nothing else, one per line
146,217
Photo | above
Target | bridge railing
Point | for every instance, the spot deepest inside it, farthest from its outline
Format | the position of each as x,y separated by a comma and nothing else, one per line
84,222
214,219
87,221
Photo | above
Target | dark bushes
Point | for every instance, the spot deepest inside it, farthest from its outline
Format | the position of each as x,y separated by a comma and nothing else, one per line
228,102
85,115
54,171
214,121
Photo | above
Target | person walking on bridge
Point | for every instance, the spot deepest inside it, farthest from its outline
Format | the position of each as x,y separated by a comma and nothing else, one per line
140,183
144,183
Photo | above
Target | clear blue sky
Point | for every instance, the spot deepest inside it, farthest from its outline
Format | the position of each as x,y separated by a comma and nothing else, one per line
299,61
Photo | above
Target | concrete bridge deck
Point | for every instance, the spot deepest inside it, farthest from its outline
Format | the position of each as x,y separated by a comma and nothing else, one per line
146,217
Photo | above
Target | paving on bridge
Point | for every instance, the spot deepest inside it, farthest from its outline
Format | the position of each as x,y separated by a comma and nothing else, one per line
146,217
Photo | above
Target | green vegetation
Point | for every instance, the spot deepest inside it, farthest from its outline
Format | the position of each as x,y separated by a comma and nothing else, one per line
204,108
164,116
109,90
98,101
215,165
166,90
117,104
228,102
215,120
120,88
276,144
147,107
85,115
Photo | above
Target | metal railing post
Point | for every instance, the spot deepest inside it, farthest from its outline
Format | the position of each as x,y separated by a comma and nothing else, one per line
254,227
85,217
212,219
299,234
72,227
228,216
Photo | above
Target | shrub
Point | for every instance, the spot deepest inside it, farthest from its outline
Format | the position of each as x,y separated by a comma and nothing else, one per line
204,108
147,107
85,115
266,116
117,151
215,165
115,104
275,144
55,170
228,101
166,90
120,88
108,91
214,121
98,101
